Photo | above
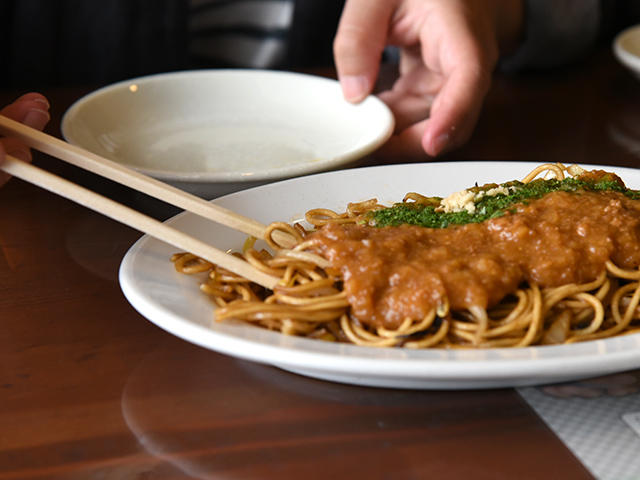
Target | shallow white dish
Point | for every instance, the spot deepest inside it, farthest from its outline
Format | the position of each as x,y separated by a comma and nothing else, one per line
173,302
626,47
212,132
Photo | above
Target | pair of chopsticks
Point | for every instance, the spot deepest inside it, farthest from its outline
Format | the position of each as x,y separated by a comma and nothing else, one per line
106,168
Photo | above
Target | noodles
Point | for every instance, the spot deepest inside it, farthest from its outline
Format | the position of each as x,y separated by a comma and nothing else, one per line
538,262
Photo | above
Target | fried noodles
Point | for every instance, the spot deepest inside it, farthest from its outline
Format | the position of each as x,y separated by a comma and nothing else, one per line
312,298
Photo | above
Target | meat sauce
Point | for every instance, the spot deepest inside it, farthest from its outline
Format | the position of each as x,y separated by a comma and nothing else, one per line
391,273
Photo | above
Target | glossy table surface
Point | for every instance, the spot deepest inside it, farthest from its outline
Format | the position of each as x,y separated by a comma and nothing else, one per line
89,389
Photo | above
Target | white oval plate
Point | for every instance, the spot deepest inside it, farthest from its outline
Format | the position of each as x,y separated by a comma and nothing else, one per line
626,47
173,302
218,127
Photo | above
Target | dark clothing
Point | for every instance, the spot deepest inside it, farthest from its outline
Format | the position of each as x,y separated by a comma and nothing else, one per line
75,42
93,42
66,42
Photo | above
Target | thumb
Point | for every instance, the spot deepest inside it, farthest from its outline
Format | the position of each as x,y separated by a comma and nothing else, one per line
358,46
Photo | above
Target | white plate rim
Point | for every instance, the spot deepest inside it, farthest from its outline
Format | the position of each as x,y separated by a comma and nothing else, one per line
393,368
629,59
383,130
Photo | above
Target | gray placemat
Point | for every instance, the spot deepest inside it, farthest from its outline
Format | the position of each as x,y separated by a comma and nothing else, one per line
597,419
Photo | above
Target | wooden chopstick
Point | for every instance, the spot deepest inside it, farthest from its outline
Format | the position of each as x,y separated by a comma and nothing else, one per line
134,219
119,173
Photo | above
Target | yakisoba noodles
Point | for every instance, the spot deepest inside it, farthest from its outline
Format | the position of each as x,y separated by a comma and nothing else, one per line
544,261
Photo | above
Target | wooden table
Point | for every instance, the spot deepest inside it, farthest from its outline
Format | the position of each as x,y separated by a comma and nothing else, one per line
89,389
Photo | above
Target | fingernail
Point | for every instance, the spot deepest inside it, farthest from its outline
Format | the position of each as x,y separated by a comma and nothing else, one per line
43,101
440,143
354,87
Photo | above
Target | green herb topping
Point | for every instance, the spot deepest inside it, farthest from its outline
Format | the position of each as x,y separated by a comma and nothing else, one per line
491,201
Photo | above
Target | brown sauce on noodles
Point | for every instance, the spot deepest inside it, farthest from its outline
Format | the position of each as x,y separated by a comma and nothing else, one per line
392,273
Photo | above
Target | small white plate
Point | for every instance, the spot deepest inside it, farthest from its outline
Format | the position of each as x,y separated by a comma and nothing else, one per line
212,132
626,48
173,301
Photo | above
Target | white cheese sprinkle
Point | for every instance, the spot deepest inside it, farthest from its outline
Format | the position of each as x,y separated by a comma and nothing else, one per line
457,202
465,200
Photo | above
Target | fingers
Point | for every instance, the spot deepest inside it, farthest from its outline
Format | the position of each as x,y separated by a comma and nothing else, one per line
455,112
32,109
438,113
412,94
15,148
405,145
408,108
465,56
449,49
358,45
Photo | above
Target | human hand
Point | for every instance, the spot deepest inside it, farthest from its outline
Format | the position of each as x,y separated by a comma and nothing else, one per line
448,51
31,109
